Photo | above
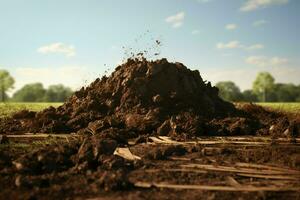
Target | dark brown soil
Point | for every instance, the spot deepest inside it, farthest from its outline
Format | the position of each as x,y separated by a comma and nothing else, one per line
151,97
138,96
139,101
86,168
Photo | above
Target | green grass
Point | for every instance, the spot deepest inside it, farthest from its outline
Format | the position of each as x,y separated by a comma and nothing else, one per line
27,146
283,107
6,109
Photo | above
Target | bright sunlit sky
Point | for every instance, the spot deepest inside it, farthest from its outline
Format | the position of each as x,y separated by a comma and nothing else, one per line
74,41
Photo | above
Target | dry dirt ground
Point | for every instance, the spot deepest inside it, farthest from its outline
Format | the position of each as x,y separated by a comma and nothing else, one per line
140,134
151,168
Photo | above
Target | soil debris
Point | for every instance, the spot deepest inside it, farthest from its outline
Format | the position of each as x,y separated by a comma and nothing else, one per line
151,97
117,117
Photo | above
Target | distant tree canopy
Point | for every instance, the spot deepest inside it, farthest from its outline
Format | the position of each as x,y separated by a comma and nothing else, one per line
36,92
6,83
249,96
229,91
286,92
57,93
264,89
263,86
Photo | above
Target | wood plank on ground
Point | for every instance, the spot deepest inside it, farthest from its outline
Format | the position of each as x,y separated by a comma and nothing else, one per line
240,170
214,188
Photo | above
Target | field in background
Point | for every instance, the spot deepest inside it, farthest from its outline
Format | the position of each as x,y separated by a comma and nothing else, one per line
284,107
7,109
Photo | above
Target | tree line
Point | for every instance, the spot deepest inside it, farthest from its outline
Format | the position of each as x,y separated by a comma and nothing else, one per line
33,92
264,89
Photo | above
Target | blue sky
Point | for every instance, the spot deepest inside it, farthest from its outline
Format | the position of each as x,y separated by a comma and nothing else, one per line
74,41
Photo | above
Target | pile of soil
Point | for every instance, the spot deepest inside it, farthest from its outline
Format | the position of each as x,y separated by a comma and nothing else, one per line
139,99
145,97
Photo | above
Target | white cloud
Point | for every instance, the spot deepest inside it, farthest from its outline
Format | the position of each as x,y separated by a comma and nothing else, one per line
195,32
259,23
72,76
237,45
255,47
231,26
176,20
204,1
263,61
251,5
227,54
67,50
230,45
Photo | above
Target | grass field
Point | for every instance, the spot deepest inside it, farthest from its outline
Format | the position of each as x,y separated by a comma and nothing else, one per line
285,107
7,109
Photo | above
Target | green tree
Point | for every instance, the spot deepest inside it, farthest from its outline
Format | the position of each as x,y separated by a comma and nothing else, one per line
287,92
34,92
298,96
249,96
57,93
229,91
6,83
263,85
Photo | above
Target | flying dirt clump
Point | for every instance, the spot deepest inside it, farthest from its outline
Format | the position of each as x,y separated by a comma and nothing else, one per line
140,95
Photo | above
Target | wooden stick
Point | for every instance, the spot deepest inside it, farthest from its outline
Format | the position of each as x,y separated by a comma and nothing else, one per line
174,170
237,170
167,141
278,177
214,188
251,165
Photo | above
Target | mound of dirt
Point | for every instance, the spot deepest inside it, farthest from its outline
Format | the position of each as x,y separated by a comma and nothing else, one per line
139,95
143,101
145,97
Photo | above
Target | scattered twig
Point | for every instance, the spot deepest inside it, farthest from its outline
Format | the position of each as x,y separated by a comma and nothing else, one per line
213,188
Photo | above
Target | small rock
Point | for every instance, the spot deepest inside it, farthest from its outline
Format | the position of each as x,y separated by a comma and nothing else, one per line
272,128
157,99
18,181
173,123
286,133
19,166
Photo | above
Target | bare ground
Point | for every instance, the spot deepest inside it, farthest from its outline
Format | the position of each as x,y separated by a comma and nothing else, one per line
157,168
